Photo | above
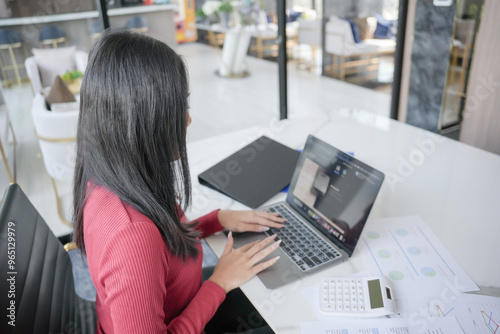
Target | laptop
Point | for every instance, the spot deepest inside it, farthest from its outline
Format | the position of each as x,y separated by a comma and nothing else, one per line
329,199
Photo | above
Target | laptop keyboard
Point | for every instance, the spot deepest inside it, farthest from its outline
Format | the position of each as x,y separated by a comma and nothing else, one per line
306,249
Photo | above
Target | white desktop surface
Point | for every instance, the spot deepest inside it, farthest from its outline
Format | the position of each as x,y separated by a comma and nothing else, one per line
454,187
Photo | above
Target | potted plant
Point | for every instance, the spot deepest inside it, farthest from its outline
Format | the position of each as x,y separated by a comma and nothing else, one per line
73,80
201,16
210,9
225,9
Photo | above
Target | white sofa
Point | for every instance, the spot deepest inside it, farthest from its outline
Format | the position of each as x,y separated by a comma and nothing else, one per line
34,73
339,42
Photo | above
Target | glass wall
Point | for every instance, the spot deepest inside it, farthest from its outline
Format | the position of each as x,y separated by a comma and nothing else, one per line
360,42
466,25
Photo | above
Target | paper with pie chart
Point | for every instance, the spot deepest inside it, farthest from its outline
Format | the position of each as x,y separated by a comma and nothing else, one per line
406,251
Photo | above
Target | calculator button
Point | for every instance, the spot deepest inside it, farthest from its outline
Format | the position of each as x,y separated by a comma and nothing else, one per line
354,300
339,307
346,300
347,307
354,308
361,308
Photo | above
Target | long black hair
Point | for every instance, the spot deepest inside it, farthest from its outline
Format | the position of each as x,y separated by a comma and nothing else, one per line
132,134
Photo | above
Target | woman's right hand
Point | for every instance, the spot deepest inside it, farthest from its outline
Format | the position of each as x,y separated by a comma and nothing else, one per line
235,267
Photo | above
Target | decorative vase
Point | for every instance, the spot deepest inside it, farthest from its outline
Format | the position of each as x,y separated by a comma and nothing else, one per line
234,53
214,18
224,19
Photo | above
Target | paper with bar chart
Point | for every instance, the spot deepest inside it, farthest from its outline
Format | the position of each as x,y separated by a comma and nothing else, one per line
406,251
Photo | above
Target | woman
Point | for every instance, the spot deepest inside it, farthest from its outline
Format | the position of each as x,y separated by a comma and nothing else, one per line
130,189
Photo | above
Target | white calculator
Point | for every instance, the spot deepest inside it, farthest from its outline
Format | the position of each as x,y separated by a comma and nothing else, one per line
356,297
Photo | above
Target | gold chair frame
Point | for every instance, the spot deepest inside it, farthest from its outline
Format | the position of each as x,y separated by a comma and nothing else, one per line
12,179
53,42
260,48
14,66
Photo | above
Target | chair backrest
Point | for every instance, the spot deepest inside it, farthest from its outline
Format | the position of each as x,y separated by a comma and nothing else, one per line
136,22
51,32
464,30
338,36
43,298
310,32
9,37
56,132
33,71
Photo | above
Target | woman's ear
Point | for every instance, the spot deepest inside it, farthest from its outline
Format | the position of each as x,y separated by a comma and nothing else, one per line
189,120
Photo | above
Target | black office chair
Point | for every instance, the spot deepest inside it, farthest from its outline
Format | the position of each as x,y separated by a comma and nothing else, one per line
36,275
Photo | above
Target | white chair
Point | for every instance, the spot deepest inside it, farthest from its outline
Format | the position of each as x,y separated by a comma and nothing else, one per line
34,73
365,56
56,132
309,33
5,126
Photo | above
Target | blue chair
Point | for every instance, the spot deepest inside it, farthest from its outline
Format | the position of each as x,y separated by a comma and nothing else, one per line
10,41
138,24
52,36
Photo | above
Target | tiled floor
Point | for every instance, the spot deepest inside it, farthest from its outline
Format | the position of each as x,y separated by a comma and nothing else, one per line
218,105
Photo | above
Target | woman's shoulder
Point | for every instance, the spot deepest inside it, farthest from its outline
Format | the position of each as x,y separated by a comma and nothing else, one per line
105,211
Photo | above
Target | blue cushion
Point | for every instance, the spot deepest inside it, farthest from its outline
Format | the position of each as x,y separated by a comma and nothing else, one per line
355,31
293,16
51,32
9,37
383,30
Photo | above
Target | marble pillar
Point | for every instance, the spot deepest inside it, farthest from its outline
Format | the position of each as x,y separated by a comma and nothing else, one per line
429,63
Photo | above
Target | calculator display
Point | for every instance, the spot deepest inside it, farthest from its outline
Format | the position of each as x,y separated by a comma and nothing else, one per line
375,292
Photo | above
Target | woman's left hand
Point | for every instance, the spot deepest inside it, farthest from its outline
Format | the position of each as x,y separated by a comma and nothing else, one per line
249,221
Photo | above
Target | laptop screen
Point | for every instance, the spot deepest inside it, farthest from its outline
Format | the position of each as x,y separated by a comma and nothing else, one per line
334,191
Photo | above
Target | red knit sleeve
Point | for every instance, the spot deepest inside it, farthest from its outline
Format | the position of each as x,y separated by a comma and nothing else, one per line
133,271
209,224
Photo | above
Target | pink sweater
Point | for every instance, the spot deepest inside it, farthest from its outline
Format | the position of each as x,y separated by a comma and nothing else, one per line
141,287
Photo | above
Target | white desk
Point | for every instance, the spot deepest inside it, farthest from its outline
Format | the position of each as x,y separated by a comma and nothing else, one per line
454,187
